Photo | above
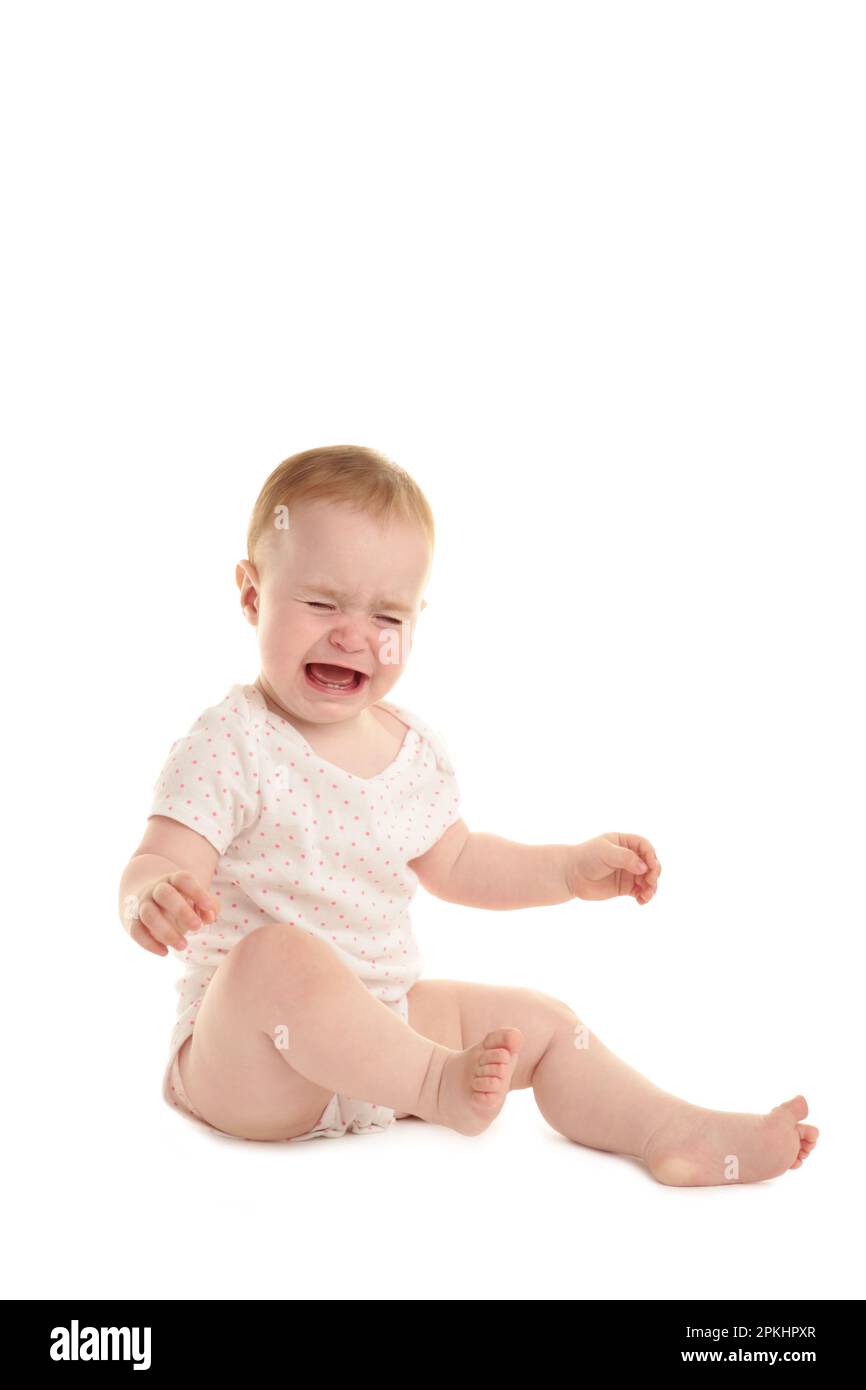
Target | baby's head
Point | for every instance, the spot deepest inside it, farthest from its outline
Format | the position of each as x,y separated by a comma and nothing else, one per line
340,547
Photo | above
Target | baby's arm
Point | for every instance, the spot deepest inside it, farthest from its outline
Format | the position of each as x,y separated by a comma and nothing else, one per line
482,870
168,848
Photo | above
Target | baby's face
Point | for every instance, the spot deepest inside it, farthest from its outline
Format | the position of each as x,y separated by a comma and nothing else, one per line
340,588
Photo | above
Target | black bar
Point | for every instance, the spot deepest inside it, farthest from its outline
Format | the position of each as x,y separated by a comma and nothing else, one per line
244,1336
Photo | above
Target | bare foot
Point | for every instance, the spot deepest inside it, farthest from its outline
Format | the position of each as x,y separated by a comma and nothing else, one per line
473,1084
693,1147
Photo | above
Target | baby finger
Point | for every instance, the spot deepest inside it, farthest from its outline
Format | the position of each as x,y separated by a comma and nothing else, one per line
159,926
176,907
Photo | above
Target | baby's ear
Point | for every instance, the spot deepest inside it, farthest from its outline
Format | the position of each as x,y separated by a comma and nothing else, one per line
423,604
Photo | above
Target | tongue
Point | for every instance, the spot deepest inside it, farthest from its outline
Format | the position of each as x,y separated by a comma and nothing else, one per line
335,674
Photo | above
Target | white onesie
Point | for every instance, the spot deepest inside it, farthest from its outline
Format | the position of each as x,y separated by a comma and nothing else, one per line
302,841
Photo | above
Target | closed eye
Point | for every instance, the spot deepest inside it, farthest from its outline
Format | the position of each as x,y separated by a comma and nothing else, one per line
313,603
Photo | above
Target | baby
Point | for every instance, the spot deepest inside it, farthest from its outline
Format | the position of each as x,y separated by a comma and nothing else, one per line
287,835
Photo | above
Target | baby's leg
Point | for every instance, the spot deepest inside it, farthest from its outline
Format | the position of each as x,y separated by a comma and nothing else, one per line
593,1097
285,1022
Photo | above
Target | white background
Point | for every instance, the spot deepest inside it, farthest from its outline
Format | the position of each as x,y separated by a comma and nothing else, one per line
594,274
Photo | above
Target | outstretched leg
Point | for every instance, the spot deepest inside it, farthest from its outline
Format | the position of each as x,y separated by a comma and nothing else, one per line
590,1095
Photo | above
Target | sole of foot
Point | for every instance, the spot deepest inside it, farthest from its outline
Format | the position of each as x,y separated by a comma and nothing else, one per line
693,1147
475,1083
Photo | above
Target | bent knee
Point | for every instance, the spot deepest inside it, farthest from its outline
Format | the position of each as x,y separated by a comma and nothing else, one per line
280,950
558,1010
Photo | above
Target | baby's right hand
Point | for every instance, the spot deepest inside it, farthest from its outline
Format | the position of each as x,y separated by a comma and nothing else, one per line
174,904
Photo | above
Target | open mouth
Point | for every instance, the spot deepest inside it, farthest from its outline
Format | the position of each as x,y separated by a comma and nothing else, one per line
336,680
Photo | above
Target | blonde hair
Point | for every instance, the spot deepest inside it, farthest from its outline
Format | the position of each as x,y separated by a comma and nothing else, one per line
349,473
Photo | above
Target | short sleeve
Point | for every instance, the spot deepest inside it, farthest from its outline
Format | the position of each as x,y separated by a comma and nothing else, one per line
210,779
442,754
446,789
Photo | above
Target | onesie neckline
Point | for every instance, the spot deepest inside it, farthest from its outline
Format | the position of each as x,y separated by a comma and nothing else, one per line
283,726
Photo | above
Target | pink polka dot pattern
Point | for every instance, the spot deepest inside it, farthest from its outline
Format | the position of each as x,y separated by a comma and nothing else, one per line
302,841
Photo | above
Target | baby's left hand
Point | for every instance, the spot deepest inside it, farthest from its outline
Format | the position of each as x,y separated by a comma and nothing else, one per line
610,866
